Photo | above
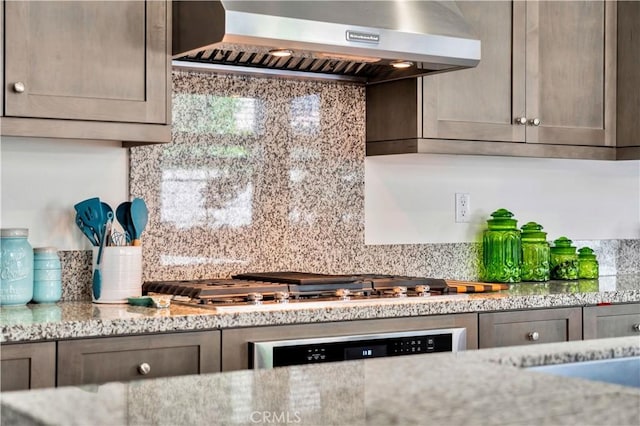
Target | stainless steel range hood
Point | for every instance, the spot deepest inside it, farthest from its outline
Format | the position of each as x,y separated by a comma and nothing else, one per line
352,40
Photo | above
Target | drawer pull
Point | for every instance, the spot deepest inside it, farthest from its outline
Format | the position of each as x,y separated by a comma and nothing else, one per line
533,336
636,327
144,368
18,87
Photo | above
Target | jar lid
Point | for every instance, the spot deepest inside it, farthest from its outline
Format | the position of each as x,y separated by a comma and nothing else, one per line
14,232
502,220
45,250
586,253
533,231
563,246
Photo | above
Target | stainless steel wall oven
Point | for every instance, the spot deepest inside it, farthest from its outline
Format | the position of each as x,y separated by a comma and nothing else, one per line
280,353
273,346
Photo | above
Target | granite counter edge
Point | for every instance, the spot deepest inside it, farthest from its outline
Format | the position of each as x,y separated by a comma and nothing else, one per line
202,319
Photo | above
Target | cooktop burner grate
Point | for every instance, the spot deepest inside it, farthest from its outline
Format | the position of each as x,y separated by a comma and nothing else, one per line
213,288
284,286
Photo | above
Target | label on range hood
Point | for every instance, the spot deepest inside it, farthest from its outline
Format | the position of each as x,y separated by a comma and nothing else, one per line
363,37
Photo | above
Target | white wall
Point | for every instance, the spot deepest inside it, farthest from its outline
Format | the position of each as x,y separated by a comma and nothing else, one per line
410,198
42,179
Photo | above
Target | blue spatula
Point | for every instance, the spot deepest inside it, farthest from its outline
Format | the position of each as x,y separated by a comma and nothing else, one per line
97,274
123,214
90,211
139,217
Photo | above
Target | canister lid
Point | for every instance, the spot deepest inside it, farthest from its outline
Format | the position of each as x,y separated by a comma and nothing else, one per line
586,253
533,231
14,232
563,246
45,250
502,220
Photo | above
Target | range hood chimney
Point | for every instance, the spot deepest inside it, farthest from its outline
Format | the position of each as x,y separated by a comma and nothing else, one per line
363,41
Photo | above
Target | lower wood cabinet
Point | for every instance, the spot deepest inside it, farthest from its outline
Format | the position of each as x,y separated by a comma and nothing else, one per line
529,327
611,321
108,359
27,366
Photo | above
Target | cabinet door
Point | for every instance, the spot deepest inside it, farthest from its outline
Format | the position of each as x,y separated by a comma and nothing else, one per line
27,366
571,72
628,82
86,60
110,359
529,327
611,321
482,103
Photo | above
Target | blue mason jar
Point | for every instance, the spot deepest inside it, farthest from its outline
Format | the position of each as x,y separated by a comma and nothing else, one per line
16,267
47,275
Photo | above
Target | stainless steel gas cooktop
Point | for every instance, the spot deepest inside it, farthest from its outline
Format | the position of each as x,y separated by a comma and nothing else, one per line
277,288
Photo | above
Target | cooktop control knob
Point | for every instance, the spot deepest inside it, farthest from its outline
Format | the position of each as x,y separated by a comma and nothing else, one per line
400,291
281,296
343,293
254,298
422,290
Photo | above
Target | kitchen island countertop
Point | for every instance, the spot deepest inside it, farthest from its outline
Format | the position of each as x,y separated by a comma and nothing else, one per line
64,320
486,387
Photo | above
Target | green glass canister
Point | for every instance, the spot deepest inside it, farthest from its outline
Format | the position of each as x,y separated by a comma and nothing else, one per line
535,253
501,247
587,263
563,260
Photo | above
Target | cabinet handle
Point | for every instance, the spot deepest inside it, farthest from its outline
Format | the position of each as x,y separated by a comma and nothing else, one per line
534,122
521,120
636,327
533,336
18,87
144,368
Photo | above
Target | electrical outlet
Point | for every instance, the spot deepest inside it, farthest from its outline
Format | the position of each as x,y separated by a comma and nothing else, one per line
463,208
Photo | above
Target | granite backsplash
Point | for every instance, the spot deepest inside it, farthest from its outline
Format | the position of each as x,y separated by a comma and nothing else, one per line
268,174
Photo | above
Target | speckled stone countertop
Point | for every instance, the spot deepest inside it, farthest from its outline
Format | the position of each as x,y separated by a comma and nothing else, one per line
84,319
485,387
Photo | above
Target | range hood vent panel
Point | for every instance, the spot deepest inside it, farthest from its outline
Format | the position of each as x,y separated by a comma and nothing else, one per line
357,40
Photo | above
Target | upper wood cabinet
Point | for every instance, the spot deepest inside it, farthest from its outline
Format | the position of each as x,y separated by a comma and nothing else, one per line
481,103
87,69
545,87
570,78
628,92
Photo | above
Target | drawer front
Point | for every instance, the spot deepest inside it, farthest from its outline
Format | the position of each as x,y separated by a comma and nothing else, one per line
27,366
530,333
529,327
611,321
137,357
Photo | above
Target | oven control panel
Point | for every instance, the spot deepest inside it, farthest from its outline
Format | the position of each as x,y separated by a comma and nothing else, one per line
422,344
